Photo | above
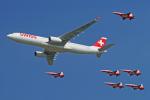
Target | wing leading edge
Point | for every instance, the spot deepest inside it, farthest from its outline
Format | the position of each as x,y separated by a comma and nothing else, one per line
68,36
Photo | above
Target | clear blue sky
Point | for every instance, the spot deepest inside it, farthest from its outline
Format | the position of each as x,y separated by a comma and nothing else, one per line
22,74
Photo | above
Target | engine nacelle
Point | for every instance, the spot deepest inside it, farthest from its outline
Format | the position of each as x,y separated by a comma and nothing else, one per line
54,40
39,54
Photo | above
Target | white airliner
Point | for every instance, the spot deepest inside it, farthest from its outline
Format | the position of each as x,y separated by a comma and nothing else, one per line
53,45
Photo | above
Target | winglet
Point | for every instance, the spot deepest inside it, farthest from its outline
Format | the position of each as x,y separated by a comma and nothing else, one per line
97,18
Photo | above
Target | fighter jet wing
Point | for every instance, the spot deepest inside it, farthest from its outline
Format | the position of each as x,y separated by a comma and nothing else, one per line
109,83
106,71
50,57
117,13
68,36
51,73
131,85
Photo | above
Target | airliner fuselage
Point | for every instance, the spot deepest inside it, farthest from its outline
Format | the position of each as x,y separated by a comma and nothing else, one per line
53,47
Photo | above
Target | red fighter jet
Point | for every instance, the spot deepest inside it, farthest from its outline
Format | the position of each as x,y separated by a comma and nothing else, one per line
110,73
136,72
124,16
115,85
56,75
136,87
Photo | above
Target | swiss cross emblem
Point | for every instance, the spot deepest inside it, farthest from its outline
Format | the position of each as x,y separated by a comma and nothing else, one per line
101,43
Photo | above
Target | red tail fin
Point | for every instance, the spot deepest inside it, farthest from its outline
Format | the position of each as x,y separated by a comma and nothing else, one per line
101,43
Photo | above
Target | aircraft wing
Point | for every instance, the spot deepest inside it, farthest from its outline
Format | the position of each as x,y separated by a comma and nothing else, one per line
52,73
68,36
50,57
118,13
109,83
106,71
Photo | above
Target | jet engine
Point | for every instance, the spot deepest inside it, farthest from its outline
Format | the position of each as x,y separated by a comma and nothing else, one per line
54,40
39,54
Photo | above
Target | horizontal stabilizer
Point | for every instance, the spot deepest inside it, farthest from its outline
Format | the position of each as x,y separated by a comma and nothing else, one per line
106,47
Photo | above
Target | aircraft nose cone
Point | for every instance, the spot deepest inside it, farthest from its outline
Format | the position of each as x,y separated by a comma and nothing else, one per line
9,35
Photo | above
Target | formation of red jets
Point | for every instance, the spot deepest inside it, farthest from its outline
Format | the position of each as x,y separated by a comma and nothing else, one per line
120,85
136,72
